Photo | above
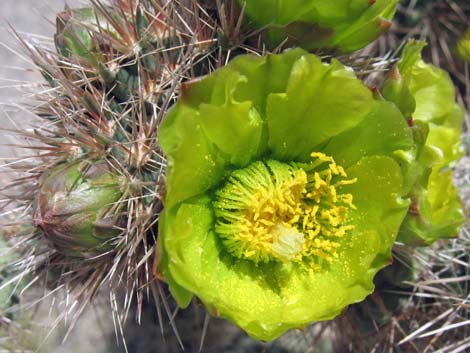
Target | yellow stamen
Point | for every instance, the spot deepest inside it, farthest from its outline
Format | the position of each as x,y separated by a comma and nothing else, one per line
273,211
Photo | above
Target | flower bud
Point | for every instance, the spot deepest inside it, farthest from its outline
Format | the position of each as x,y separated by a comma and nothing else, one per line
74,33
396,90
78,209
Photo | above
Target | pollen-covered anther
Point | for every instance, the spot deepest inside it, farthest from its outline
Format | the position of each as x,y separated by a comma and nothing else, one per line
289,212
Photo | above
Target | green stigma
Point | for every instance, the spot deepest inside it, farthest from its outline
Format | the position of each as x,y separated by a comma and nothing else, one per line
274,211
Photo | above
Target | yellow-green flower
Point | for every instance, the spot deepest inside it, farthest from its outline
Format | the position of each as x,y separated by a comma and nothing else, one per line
284,191
426,95
346,25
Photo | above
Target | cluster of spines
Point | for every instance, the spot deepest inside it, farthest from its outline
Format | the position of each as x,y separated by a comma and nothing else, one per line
116,71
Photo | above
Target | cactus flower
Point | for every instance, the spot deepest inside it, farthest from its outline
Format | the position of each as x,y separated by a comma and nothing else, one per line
284,194
347,25
77,208
436,118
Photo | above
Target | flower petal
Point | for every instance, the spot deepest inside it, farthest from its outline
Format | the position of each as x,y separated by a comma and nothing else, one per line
383,132
437,211
378,176
238,134
347,25
438,124
194,164
267,299
313,109
234,100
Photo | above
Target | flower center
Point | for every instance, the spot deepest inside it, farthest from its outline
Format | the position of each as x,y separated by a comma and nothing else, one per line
290,212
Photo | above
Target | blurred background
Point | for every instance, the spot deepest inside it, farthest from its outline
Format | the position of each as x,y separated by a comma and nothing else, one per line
35,21
32,19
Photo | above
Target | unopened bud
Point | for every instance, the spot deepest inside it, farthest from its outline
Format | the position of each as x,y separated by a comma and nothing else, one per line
78,209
